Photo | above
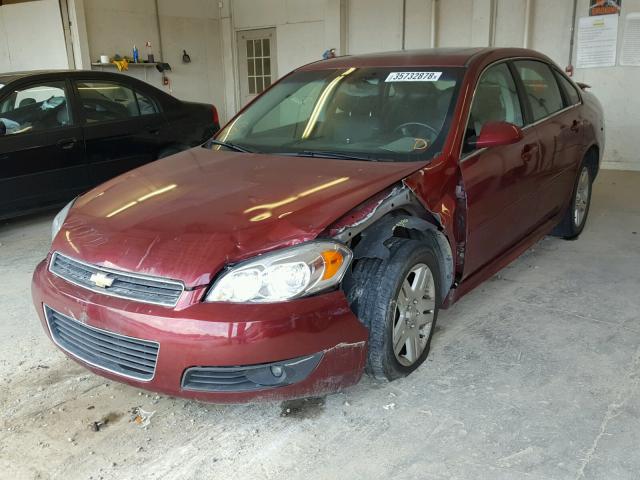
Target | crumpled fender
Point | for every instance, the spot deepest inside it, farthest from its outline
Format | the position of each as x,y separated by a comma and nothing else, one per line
373,239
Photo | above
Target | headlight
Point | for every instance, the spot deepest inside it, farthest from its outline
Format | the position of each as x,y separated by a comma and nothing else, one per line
60,218
283,275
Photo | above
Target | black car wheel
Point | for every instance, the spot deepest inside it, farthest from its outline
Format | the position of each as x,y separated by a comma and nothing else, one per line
575,217
398,300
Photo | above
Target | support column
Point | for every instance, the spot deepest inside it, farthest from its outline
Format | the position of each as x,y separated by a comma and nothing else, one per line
483,23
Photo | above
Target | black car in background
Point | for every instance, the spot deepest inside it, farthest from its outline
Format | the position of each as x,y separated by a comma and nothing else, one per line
62,132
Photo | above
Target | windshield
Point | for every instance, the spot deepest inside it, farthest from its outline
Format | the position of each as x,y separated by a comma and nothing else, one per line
392,114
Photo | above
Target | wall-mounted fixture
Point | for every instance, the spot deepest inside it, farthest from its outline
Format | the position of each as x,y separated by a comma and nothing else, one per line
185,57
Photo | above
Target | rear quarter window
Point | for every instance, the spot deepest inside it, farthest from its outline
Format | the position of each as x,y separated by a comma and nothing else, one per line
573,97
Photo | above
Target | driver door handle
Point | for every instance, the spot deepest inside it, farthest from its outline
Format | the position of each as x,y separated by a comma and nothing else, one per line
528,151
67,143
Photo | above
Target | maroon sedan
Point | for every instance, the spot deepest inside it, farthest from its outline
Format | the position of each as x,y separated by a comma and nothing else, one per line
321,231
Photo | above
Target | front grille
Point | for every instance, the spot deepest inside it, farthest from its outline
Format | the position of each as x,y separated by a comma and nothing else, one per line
250,377
130,286
131,357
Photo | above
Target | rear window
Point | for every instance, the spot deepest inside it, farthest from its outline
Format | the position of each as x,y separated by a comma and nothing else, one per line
541,88
107,101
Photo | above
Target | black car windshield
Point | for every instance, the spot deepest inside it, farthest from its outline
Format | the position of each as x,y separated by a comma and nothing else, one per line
383,114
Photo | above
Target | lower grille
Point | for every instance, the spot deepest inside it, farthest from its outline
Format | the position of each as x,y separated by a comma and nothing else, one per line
251,377
127,356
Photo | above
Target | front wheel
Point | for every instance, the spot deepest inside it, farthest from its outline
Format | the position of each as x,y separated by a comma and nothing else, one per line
575,217
398,299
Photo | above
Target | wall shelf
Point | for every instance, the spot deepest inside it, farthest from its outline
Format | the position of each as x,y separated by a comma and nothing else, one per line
112,65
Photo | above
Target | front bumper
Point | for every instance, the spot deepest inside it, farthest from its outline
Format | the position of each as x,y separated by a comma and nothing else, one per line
198,334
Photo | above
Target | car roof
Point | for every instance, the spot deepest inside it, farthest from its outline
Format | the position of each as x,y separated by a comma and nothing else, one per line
11,76
6,78
440,57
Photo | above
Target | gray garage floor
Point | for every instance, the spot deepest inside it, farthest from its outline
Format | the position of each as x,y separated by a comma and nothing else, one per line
534,375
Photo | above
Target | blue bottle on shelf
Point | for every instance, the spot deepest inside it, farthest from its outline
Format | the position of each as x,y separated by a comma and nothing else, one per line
135,54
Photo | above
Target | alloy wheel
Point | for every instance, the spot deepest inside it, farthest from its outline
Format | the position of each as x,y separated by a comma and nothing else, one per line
582,197
413,315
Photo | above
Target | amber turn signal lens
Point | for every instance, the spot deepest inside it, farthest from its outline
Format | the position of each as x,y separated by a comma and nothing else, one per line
332,263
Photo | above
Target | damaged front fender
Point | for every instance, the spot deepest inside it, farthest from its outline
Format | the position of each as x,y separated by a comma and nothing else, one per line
390,214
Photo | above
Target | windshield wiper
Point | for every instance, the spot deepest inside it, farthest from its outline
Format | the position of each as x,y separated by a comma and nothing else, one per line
325,154
232,146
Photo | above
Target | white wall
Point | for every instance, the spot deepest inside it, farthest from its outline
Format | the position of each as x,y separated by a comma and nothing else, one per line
115,26
31,37
299,24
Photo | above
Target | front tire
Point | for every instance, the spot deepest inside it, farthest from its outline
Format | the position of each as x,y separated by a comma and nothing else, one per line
575,217
398,300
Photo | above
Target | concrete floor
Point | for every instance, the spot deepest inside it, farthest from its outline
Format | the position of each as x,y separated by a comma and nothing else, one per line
534,375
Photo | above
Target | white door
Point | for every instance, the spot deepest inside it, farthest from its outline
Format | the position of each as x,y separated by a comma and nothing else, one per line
256,61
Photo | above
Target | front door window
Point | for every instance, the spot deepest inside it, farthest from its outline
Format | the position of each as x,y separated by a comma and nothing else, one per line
35,108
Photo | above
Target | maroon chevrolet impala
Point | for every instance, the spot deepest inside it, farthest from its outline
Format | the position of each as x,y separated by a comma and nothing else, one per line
319,233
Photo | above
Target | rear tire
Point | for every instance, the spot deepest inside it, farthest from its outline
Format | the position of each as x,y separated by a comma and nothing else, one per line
397,299
575,217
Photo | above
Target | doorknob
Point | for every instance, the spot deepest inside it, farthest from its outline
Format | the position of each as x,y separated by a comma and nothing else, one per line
528,150
67,143
575,126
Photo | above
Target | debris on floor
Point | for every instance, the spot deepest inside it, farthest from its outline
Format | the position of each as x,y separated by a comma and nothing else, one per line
303,407
141,417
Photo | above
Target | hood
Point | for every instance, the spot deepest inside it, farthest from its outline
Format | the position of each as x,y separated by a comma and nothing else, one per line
186,216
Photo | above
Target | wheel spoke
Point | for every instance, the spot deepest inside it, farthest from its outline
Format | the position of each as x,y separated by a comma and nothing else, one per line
420,281
400,342
398,328
413,347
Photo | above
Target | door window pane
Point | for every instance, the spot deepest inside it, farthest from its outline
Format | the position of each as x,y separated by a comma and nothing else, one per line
35,108
495,100
541,88
107,101
573,96
266,47
146,104
258,48
249,48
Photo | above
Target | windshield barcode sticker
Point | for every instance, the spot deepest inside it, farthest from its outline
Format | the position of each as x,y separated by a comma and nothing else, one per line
413,77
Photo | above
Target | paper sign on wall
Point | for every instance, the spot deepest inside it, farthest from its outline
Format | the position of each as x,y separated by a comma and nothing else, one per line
630,54
597,41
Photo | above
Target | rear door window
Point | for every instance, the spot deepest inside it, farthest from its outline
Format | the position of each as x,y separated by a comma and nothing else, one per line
106,101
35,108
541,88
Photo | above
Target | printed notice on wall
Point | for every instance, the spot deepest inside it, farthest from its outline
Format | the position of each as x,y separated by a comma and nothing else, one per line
597,41
630,55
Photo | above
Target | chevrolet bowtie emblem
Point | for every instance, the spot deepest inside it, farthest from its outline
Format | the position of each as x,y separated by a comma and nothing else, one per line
102,280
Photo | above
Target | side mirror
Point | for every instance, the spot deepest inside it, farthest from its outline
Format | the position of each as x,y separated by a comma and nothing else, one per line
494,134
3,128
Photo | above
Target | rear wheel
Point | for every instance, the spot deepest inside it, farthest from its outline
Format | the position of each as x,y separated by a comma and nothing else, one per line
398,299
575,217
